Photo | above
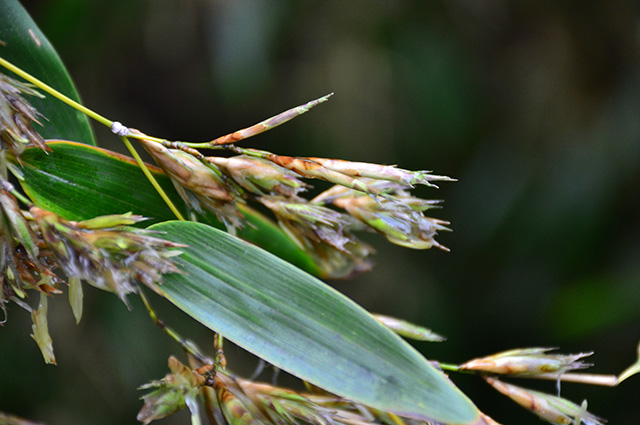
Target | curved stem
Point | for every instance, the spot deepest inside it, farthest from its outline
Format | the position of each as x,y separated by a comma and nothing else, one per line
53,92
580,378
186,345
152,179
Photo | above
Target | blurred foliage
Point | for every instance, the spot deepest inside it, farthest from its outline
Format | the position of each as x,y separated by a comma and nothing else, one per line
533,106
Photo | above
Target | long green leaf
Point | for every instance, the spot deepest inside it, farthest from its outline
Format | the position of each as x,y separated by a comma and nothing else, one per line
79,182
303,326
23,44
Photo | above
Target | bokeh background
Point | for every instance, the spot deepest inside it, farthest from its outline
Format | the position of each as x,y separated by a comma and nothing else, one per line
534,106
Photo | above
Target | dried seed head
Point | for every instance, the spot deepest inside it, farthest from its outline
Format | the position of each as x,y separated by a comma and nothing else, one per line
281,405
24,262
323,233
106,254
527,361
553,409
308,168
260,176
17,116
177,390
306,222
400,220
235,408
199,185
380,172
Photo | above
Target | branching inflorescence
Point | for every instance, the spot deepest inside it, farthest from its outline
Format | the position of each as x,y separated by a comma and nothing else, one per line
40,249
364,196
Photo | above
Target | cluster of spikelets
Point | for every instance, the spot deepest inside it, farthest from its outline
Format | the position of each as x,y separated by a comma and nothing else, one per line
365,196
104,252
535,363
231,400
17,116
40,249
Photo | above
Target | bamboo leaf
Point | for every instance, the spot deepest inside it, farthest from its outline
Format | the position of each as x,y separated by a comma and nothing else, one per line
79,182
303,326
23,44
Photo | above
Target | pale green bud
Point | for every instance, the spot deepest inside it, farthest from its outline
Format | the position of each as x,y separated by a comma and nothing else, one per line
408,329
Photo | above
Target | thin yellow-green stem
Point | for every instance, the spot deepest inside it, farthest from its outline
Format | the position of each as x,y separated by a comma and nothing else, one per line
396,419
142,136
449,367
152,179
21,198
220,359
184,344
53,92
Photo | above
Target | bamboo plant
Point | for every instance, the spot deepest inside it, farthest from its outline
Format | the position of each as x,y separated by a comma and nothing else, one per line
68,218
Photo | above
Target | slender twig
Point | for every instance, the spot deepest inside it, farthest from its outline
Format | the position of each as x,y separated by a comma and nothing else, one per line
152,179
53,92
580,378
186,345
450,367
220,359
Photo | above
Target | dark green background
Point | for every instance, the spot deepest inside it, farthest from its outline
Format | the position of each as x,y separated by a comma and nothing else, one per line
533,106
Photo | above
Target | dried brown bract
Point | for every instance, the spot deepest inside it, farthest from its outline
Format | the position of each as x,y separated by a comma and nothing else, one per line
105,253
17,117
24,259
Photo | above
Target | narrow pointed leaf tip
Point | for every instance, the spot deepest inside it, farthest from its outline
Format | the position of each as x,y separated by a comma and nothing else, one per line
303,326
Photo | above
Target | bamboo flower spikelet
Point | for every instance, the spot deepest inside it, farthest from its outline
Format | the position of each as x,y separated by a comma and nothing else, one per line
177,390
371,196
108,253
200,185
17,116
553,409
25,263
104,253
527,362
233,400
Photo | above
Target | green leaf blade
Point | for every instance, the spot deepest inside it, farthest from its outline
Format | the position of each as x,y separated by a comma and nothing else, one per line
24,45
303,326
